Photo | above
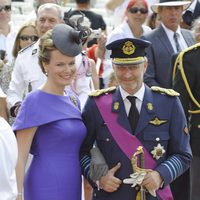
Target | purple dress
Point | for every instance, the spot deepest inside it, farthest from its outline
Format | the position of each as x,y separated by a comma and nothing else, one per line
55,172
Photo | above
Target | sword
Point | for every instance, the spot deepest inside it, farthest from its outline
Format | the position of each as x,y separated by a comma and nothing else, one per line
138,174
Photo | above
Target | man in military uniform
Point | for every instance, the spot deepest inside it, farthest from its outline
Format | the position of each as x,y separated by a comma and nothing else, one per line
132,120
27,75
187,83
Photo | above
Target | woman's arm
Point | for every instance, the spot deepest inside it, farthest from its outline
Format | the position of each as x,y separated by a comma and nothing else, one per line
24,141
112,4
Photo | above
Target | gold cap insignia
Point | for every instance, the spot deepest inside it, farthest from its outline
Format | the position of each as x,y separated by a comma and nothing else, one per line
186,131
116,106
128,48
150,106
157,122
158,151
73,100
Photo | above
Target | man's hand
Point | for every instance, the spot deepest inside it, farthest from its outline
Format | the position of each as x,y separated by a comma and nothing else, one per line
109,182
152,181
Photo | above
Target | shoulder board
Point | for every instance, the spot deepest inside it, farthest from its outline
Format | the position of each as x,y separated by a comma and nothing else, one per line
97,93
169,92
25,48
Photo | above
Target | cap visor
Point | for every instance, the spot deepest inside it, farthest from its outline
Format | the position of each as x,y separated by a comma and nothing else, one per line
128,61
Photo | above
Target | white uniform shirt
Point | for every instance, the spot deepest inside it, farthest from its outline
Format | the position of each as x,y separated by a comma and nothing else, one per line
124,31
7,43
26,76
8,160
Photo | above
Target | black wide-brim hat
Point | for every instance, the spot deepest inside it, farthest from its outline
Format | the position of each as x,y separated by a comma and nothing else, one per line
162,3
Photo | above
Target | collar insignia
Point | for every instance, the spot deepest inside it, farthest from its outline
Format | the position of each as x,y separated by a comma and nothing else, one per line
157,122
34,51
158,151
116,106
128,48
186,131
149,106
73,100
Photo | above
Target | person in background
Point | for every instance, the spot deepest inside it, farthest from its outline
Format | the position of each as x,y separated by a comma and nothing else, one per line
53,134
133,24
168,39
27,74
117,8
97,53
86,79
191,14
3,105
8,160
153,21
122,120
97,21
26,35
186,81
7,30
196,30
36,5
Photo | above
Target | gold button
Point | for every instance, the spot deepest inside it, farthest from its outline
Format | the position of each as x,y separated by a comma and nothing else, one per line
107,139
94,194
198,125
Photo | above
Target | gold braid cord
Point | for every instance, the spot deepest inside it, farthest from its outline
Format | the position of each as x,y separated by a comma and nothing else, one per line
179,61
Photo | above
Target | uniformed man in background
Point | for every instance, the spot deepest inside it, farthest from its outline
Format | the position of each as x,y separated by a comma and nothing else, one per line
187,83
133,119
27,75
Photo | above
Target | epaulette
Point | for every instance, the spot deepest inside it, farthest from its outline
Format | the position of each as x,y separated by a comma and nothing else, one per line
97,93
179,64
179,60
169,92
27,47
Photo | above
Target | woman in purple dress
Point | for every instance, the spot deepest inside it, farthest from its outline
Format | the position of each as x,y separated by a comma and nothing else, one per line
49,124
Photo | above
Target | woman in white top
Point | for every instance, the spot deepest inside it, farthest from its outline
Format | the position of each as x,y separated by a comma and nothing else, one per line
8,160
133,24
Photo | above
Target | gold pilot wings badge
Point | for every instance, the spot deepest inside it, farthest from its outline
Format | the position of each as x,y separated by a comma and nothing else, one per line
157,122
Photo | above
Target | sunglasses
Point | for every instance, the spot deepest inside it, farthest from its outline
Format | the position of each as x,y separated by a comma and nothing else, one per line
6,8
33,38
135,10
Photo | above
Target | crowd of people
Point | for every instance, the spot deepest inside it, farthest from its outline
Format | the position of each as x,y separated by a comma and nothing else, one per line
106,111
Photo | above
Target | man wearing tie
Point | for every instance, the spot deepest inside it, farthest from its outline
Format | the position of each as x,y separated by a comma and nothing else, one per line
122,120
166,40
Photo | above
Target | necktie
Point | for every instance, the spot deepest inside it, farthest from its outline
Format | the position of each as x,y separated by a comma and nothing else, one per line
133,115
178,48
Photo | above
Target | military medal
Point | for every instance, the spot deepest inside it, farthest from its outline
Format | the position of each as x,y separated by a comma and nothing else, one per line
116,106
150,106
158,151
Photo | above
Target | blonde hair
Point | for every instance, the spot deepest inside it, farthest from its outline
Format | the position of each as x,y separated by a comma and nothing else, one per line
46,46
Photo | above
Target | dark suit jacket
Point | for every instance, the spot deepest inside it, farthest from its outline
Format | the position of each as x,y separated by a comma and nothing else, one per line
170,135
159,71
